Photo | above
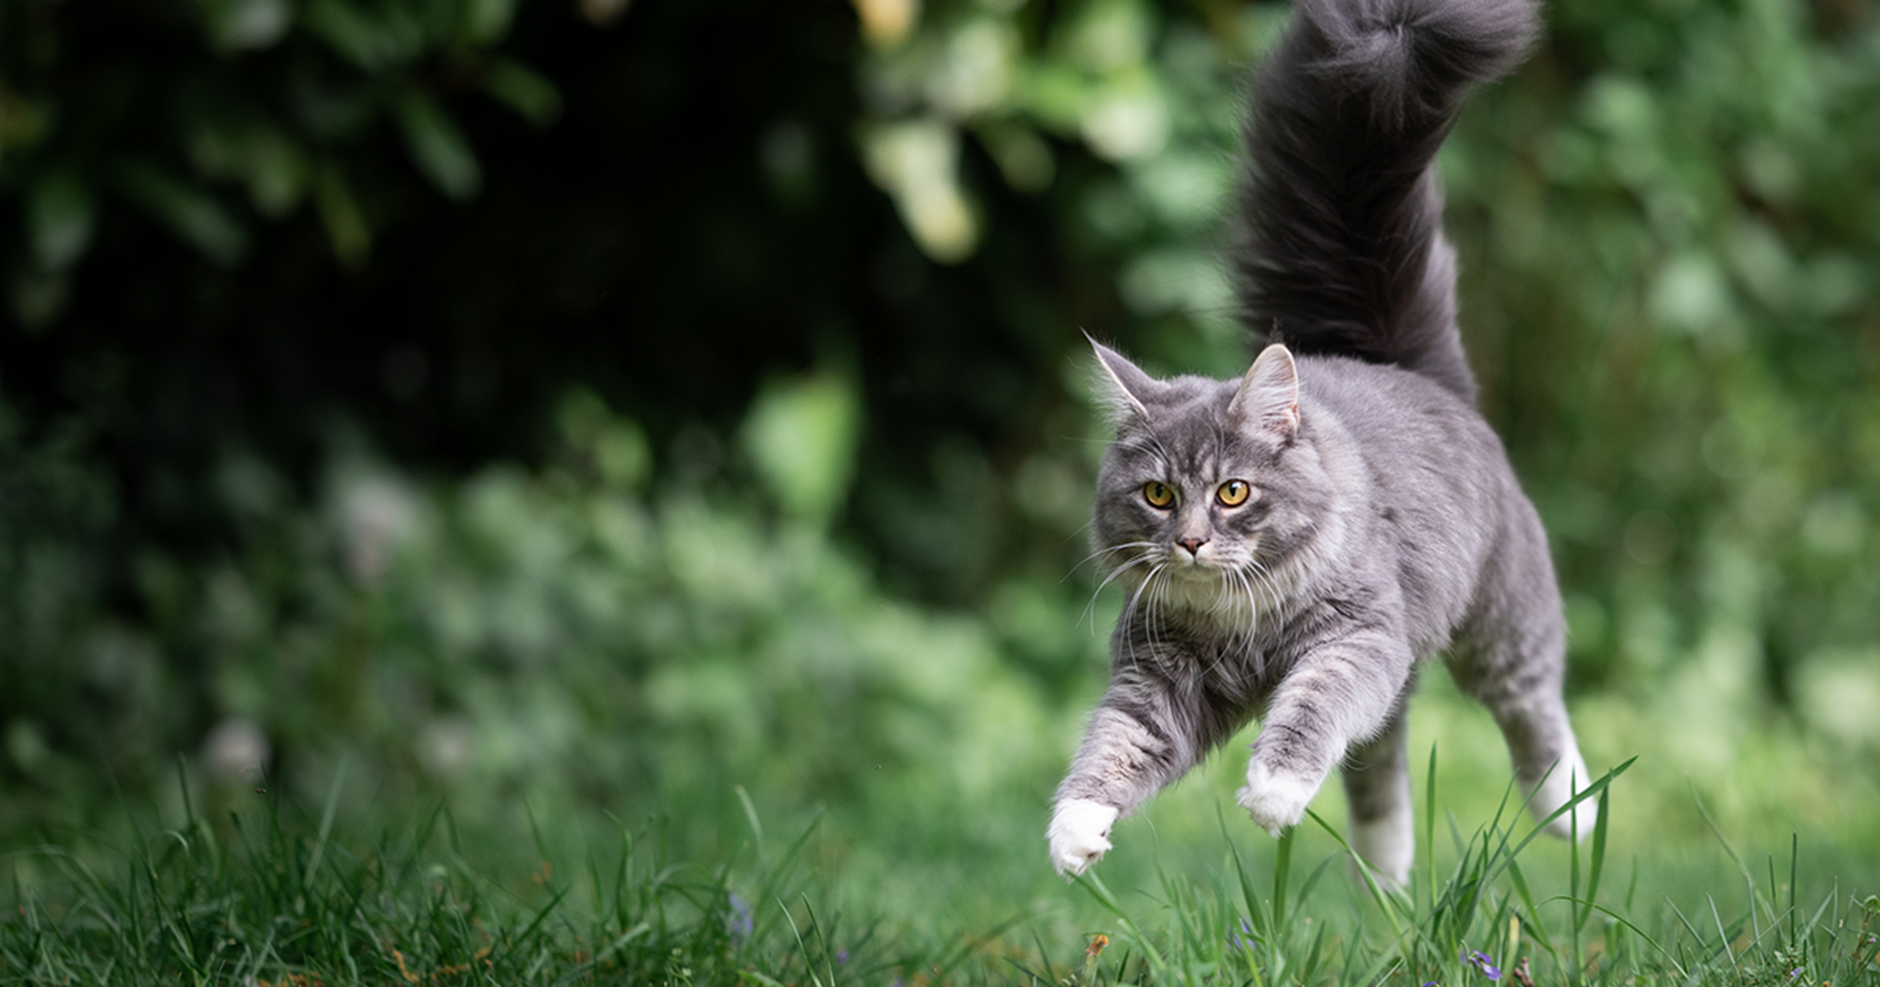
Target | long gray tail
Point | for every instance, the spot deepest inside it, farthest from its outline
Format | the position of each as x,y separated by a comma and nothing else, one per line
1344,250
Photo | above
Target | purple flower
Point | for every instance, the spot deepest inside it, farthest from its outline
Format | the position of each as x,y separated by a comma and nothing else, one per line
1242,940
842,956
739,923
1480,961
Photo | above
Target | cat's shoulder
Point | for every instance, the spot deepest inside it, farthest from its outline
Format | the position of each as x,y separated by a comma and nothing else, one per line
1352,386
1391,413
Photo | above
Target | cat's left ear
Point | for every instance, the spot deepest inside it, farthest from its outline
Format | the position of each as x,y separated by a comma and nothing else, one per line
1123,386
1268,399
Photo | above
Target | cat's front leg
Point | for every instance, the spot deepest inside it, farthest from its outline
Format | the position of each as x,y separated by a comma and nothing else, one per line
1339,693
1140,738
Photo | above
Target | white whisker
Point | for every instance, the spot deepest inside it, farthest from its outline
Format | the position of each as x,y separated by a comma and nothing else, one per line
1140,560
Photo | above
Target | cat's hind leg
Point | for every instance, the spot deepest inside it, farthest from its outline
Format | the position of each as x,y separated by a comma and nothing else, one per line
1547,761
1377,787
1528,706
1512,659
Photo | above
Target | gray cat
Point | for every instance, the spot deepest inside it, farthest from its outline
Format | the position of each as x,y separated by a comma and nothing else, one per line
1295,542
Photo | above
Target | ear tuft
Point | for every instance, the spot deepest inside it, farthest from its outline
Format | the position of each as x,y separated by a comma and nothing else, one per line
1268,399
1122,386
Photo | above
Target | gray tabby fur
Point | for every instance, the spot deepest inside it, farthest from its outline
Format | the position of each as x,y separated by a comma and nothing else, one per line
1384,524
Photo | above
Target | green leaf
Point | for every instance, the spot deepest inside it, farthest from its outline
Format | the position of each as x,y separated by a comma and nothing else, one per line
488,20
802,436
371,41
247,24
437,146
615,446
277,174
346,226
191,213
60,217
524,90
257,153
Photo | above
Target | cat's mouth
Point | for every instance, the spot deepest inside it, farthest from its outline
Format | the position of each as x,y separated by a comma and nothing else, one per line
1199,566
1201,563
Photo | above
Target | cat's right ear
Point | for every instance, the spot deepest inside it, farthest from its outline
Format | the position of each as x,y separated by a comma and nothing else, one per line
1122,385
1268,398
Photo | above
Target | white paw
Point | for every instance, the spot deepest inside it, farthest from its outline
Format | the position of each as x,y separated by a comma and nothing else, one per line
1275,801
1568,777
1079,834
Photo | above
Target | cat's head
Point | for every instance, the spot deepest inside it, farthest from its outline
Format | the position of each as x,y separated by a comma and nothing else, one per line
1210,486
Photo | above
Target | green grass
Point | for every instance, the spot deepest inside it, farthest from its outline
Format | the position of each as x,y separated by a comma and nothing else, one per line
285,896
286,899
1483,921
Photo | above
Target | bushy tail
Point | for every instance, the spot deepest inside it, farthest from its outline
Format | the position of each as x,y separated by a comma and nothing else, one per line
1344,250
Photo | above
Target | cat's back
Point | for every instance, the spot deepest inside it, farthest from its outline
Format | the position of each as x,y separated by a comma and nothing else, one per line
1401,421
1431,488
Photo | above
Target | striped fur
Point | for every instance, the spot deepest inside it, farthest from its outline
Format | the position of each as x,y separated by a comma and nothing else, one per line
1383,524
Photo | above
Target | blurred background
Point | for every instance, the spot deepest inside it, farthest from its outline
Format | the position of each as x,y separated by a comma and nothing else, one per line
666,409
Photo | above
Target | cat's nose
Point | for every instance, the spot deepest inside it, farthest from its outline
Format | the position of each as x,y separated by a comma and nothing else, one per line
1193,545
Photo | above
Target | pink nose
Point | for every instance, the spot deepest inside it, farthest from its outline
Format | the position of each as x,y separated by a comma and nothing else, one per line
1193,545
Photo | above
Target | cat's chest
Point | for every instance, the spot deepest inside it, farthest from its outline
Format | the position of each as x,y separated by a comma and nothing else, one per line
1231,669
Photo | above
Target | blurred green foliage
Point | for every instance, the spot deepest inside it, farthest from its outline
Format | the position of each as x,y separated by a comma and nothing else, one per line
615,404
582,634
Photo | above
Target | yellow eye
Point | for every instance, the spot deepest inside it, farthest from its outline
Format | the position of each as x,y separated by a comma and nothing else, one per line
1234,493
1158,494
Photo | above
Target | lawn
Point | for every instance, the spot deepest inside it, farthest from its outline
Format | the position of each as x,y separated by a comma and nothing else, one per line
1675,886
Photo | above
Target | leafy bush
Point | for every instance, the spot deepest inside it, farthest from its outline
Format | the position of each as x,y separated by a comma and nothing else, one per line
586,634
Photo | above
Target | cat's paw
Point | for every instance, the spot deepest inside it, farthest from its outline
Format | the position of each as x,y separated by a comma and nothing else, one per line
1079,834
1275,801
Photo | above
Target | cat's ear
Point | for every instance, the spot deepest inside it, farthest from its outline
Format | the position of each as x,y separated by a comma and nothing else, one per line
1268,399
1122,385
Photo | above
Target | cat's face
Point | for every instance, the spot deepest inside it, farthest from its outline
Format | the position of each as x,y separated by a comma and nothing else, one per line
1209,487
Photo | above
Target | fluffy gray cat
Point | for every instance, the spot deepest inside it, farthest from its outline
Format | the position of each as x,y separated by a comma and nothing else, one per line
1293,543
